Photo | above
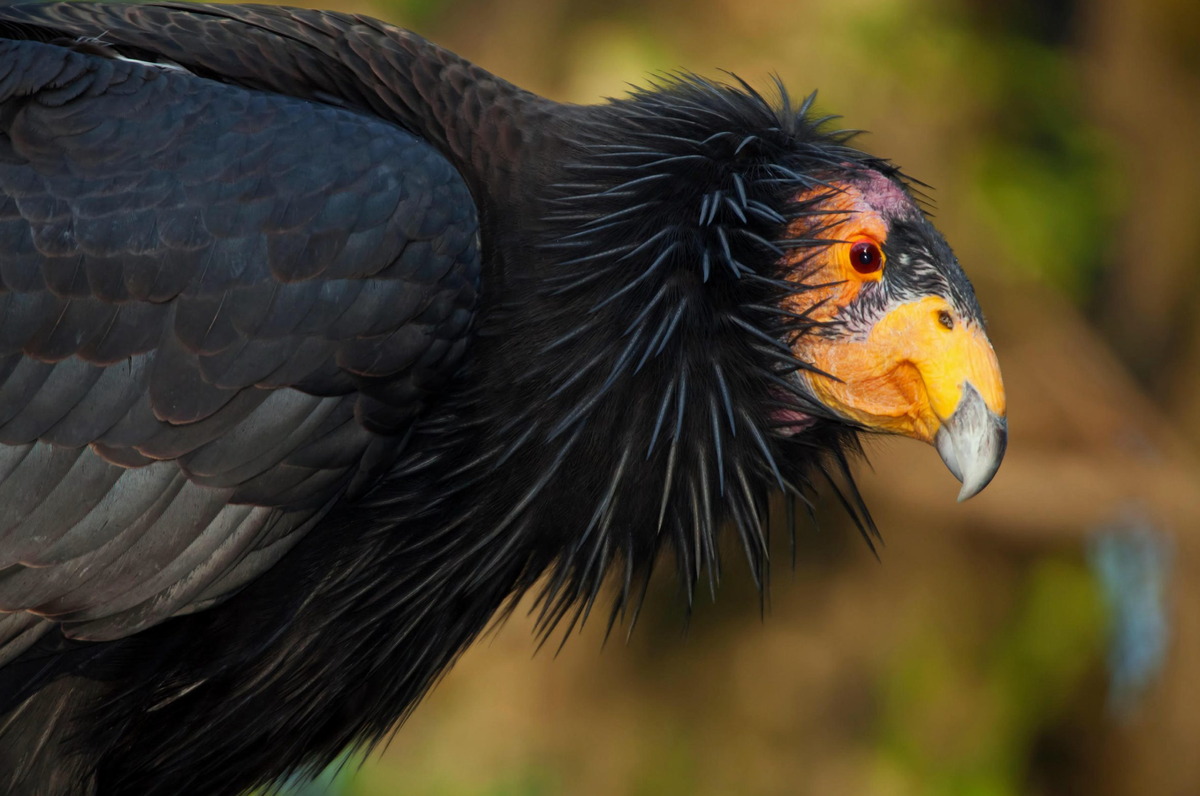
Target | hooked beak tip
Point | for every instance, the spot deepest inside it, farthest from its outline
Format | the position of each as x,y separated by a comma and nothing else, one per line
972,442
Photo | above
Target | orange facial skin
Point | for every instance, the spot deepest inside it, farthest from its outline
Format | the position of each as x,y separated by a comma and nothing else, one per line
906,373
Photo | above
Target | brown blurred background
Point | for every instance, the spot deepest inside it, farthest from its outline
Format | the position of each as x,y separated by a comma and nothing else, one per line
1043,638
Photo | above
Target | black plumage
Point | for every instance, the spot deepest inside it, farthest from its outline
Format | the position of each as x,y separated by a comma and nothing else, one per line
319,346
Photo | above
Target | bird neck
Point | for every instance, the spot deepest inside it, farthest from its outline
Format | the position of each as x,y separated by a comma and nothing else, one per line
627,359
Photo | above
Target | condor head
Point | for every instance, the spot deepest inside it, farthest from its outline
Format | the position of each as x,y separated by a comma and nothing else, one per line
900,345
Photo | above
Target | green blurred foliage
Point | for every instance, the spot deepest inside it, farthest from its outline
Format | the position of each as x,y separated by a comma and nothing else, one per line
416,13
531,782
1044,175
996,706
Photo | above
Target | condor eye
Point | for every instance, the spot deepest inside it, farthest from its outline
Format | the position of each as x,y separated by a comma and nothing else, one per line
866,257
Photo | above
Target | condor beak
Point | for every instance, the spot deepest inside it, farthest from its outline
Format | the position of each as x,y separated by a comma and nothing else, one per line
972,442
921,373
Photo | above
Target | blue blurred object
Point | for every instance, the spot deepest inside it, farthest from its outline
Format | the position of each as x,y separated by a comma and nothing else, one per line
1131,557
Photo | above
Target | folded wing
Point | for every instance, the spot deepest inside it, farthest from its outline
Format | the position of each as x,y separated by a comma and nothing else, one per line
220,311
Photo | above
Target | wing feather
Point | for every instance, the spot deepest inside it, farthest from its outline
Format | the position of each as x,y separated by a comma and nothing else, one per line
220,311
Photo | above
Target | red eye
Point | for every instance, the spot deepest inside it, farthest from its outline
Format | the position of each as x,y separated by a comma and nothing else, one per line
866,257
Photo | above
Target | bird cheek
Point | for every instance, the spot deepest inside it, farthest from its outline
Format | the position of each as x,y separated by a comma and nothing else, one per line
873,386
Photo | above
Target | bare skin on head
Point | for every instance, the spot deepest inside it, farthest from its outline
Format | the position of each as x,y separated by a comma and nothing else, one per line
900,351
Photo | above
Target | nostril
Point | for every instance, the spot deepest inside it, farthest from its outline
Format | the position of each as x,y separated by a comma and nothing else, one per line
945,319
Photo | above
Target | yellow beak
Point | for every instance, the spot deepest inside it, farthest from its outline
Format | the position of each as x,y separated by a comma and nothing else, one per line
922,373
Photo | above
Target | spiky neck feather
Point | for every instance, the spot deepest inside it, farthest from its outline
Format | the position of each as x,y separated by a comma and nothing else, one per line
634,350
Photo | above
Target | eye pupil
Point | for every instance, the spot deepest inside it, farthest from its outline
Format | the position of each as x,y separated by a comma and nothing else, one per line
945,320
866,257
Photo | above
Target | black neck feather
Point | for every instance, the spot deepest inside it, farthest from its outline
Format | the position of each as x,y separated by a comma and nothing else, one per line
633,349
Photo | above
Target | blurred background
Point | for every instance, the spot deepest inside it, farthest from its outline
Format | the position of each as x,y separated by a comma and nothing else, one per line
1043,638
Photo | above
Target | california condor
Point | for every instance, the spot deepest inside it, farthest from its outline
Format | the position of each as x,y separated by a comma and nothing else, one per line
319,346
